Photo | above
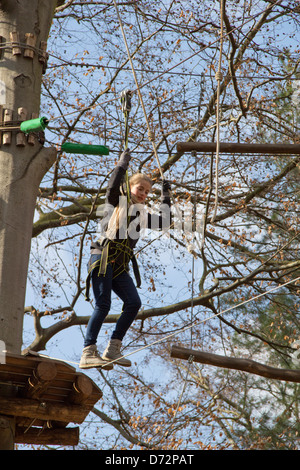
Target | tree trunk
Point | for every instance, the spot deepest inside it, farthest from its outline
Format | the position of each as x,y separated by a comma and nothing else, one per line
7,432
24,161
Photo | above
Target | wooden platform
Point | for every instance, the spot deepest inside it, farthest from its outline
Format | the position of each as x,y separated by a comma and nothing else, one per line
45,395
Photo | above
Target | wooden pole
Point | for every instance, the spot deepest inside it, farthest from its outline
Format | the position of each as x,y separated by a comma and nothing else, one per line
7,432
246,365
228,147
46,411
36,436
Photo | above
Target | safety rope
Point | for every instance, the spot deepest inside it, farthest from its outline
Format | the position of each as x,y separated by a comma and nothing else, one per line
219,78
151,135
126,108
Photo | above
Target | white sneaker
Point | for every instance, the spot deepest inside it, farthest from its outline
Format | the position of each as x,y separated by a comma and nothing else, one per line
91,358
112,353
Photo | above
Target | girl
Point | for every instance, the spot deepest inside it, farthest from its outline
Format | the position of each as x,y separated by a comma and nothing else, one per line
109,261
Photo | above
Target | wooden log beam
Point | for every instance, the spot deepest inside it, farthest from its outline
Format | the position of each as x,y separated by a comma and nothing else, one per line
245,365
40,436
28,408
244,148
25,423
81,390
40,380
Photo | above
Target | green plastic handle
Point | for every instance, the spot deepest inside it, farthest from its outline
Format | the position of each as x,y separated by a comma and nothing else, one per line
87,149
34,125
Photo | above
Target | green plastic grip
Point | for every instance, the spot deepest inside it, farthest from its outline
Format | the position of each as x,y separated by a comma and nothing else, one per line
86,149
34,125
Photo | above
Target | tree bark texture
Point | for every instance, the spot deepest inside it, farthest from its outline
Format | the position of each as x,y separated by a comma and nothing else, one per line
24,29
7,432
23,159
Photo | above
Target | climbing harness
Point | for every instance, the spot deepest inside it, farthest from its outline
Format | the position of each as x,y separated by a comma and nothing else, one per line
116,252
109,250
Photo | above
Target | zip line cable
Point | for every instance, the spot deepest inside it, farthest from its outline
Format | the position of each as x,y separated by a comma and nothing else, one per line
194,227
171,335
219,78
237,28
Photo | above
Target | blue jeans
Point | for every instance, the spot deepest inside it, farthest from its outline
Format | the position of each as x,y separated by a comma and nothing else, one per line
125,289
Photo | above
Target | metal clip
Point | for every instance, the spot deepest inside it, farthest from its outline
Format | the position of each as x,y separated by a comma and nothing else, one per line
191,359
126,100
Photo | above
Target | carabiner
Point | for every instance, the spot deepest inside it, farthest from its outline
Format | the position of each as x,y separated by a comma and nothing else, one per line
126,100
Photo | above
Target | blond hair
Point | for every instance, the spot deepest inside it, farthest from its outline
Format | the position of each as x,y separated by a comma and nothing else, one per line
119,214
138,177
